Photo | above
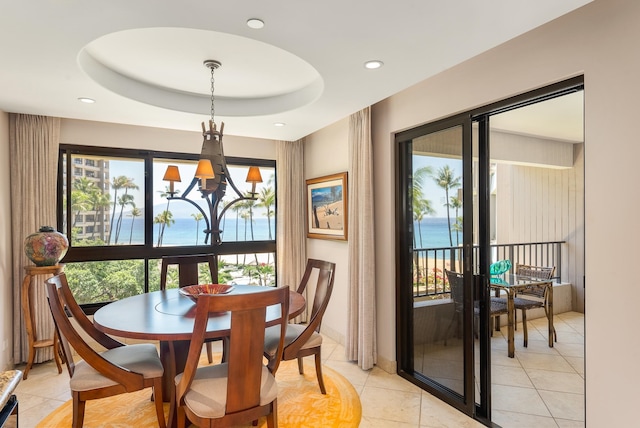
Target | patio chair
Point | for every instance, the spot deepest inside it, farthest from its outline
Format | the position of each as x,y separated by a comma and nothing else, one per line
456,283
537,296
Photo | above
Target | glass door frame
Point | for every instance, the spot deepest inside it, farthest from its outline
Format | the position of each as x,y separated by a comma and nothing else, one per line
404,301
476,277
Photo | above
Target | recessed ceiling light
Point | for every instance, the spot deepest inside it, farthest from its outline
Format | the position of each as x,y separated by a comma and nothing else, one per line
371,65
280,124
255,23
86,100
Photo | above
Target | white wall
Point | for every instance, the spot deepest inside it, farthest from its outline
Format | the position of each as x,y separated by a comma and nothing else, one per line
6,292
599,41
87,133
326,152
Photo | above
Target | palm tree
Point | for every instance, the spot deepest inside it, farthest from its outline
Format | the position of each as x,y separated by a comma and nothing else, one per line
123,201
165,194
237,209
79,202
245,215
445,179
456,203
100,201
81,193
267,199
198,217
165,218
120,182
135,212
418,182
421,208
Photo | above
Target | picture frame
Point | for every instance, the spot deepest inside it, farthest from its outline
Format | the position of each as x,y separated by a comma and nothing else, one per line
327,206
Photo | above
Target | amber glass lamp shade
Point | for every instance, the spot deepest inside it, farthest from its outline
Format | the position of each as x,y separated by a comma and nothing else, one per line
204,171
172,174
253,177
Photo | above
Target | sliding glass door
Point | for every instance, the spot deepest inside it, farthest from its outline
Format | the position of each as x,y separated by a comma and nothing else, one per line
453,223
435,279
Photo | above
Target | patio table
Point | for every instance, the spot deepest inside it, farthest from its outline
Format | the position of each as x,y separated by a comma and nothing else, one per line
512,284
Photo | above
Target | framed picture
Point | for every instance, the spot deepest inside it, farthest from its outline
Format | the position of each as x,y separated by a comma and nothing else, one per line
327,204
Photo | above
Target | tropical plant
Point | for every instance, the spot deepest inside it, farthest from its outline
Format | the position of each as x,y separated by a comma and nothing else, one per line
120,182
456,204
100,201
123,201
198,217
135,212
445,178
267,199
421,206
164,219
165,194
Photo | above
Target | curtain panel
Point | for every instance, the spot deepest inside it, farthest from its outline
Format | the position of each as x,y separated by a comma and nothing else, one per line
361,328
33,149
290,223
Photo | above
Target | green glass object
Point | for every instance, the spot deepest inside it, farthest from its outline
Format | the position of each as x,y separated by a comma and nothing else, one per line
500,267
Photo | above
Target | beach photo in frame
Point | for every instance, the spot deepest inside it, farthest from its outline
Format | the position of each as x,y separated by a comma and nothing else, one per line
327,203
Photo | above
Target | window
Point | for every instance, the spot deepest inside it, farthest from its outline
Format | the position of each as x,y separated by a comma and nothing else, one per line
112,223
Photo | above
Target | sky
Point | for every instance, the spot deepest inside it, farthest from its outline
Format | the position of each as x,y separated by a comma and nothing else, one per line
134,169
432,191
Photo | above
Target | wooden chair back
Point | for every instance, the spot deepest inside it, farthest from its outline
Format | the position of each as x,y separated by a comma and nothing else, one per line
247,333
62,303
188,268
323,289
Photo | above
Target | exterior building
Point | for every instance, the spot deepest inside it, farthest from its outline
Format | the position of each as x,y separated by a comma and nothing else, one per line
89,223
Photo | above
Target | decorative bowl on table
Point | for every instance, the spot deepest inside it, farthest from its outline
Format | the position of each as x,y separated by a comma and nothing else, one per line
193,291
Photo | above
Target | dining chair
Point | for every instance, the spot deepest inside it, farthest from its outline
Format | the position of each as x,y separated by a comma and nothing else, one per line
538,296
242,389
456,284
117,370
303,340
188,274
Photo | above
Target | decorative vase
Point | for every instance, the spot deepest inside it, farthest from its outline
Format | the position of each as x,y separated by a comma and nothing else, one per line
46,247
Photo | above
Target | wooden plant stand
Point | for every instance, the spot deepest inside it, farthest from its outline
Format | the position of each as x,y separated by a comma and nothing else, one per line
29,317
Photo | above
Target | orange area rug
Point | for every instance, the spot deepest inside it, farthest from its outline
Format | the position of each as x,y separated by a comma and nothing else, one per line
300,404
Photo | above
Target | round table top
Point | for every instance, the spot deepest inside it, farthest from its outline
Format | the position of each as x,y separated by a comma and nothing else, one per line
168,315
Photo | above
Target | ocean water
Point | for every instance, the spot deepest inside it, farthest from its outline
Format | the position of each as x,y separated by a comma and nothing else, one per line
184,231
435,233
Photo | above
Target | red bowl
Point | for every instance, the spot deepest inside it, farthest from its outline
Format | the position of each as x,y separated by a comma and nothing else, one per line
193,291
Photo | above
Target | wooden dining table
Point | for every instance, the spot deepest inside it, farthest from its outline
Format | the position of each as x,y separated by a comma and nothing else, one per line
512,284
168,316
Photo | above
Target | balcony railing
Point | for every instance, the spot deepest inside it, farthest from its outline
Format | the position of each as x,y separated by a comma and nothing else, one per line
429,264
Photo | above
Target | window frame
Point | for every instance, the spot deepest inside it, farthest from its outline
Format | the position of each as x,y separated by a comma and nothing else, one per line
146,251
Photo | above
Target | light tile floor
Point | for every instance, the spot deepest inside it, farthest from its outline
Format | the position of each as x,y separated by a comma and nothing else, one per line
541,386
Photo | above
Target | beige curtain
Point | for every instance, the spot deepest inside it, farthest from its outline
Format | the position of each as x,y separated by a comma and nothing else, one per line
33,149
291,235
361,329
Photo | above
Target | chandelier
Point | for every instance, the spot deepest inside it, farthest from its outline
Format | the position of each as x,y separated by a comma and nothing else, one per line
212,175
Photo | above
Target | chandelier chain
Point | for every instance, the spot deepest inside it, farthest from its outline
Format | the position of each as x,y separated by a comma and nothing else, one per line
213,80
